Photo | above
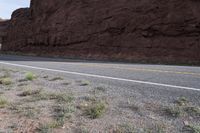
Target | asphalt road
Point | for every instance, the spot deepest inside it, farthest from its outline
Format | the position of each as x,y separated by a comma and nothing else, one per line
157,81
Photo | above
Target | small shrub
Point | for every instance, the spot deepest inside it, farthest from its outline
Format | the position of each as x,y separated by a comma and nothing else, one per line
30,76
3,102
182,101
5,81
95,110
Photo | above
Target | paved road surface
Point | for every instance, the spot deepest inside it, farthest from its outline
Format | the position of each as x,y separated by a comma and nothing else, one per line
157,81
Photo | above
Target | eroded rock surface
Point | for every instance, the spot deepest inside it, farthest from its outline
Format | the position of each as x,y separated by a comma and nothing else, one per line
3,27
144,30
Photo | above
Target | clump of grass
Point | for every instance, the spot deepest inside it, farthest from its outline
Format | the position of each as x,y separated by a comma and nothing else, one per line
5,81
22,80
31,112
66,83
83,130
89,98
192,128
6,73
63,97
45,77
22,84
30,76
29,92
3,102
193,111
84,83
100,89
44,128
45,95
47,128
24,110
182,101
157,128
56,78
125,128
62,112
96,109
173,111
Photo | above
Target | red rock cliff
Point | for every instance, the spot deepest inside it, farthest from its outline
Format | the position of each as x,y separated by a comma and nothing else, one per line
3,28
150,30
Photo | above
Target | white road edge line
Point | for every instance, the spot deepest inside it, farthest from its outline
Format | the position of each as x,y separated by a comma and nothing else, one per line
100,76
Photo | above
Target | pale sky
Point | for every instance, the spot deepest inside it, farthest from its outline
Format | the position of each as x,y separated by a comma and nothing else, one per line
8,6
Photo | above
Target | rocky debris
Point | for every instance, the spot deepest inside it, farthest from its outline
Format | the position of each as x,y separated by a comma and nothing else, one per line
133,30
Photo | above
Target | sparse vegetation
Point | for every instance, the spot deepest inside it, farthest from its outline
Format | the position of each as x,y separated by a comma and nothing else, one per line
56,78
30,112
192,128
157,128
30,92
45,77
22,84
22,80
59,107
84,83
99,89
125,128
63,97
182,101
59,97
3,102
30,76
62,112
45,128
66,83
25,110
193,111
6,73
173,111
83,130
5,81
96,109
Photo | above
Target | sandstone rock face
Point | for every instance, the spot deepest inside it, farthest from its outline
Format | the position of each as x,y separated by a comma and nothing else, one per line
3,27
144,30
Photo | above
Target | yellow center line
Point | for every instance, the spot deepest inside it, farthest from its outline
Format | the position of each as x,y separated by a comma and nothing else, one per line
142,69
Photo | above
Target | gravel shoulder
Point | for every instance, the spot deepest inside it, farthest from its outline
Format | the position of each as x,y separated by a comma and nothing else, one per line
33,101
